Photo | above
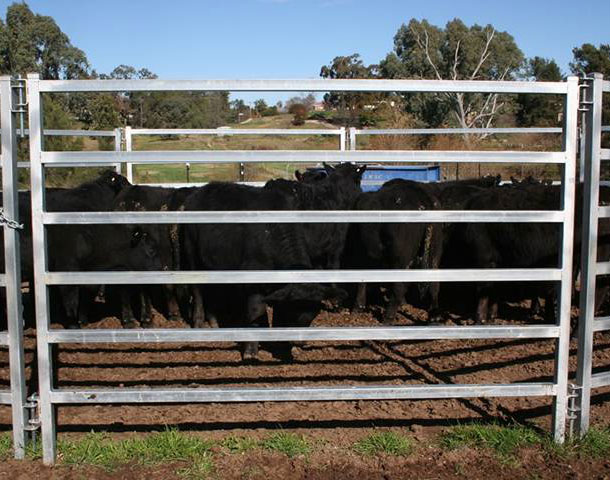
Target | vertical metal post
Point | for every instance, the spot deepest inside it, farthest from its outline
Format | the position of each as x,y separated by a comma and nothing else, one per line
39,246
564,301
342,138
117,147
352,138
12,261
591,156
128,149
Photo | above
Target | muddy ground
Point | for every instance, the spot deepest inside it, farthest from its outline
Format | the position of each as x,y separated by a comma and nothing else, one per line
339,424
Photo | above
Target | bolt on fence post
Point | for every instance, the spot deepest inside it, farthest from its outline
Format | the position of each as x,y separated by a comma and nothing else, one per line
564,301
352,138
591,157
12,259
39,247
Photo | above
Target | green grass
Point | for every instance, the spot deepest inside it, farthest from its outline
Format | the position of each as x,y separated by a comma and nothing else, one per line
504,441
388,443
287,443
595,444
6,446
239,444
99,449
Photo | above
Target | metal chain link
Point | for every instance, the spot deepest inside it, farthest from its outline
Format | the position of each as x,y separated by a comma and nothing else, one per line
8,222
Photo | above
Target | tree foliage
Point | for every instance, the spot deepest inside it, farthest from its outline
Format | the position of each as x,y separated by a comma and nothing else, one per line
590,59
539,110
349,105
456,52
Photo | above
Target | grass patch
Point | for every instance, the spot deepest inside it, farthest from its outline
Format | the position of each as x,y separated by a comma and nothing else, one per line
287,443
100,450
239,444
388,443
504,441
595,444
6,446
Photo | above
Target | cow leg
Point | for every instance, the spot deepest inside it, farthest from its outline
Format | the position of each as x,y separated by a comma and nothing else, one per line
69,300
549,306
360,303
396,299
173,308
257,317
602,289
482,309
100,297
128,319
198,310
493,309
535,308
145,308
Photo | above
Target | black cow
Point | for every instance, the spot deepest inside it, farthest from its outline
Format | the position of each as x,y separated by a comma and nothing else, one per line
150,198
396,245
266,247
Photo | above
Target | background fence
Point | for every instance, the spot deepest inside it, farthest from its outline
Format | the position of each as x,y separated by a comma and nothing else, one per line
47,337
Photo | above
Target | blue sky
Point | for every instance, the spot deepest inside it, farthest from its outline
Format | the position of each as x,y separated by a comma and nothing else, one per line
294,38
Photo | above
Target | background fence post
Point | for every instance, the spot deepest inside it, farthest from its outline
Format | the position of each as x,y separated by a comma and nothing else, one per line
592,165
117,147
12,259
128,148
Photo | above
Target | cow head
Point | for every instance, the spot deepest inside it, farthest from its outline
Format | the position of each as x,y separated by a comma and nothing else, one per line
113,180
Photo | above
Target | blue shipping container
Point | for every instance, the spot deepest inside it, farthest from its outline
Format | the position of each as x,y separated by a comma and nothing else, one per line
376,175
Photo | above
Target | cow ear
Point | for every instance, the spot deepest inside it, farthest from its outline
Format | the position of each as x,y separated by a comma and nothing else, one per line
329,169
298,175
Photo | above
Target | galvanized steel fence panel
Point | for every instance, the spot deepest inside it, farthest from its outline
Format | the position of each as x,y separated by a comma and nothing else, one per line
11,280
49,396
594,88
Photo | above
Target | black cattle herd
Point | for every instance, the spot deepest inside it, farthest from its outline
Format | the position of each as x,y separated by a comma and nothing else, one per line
297,246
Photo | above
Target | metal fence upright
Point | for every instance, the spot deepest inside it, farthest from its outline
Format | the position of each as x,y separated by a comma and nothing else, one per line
594,88
9,99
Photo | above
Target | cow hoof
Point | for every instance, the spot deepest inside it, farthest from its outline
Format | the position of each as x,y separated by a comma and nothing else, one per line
131,323
176,319
200,323
250,352
213,323
359,308
147,324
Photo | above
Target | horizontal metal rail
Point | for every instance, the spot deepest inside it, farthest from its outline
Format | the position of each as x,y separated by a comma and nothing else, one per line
602,268
302,156
2,280
5,397
300,276
600,379
74,133
305,85
67,165
606,128
604,154
234,131
188,335
456,131
604,212
606,86
305,216
290,394
601,324
4,338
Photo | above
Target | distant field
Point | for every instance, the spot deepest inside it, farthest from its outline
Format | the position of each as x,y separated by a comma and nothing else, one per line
254,172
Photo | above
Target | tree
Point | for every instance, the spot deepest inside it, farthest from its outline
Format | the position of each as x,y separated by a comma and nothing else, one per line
457,52
349,105
539,110
589,59
35,43
299,111
260,106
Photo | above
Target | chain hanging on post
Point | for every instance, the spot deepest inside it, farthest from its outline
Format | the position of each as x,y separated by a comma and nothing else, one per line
8,222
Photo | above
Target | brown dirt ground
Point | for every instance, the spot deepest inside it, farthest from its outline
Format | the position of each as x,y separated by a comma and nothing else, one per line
336,424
